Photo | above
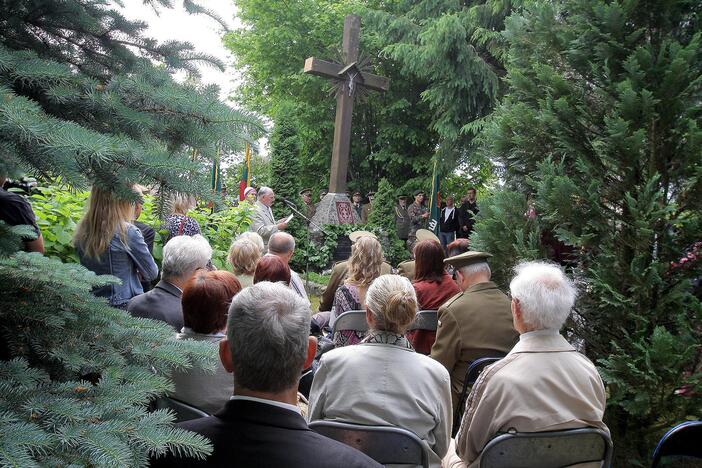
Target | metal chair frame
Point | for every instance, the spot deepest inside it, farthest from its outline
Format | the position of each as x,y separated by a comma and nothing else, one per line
552,449
472,374
673,443
384,444
354,320
425,320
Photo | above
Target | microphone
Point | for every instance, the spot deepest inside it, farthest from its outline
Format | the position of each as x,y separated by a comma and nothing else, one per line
287,202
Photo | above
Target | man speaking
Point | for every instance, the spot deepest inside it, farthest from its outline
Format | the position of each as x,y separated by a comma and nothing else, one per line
264,223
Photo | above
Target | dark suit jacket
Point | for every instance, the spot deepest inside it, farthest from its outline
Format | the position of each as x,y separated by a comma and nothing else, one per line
161,303
252,434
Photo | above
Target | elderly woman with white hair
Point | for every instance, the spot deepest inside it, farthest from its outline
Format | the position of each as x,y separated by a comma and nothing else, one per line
382,381
543,384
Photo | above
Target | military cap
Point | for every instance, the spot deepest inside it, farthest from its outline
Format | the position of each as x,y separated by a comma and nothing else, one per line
305,190
357,193
417,192
370,194
426,234
402,197
355,235
468,258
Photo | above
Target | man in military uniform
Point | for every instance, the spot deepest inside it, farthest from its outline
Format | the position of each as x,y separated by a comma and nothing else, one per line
356,204
406,268
473,324
341,271
365,212
402,223
306,195
418,215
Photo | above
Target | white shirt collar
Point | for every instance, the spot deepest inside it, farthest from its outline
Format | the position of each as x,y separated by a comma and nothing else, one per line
279,404
543,332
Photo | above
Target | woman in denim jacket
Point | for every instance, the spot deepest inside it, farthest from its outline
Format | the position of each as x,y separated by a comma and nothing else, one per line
108,244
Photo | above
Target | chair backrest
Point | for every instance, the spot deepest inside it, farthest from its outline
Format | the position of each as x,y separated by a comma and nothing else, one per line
354,320
553,449
472,374
384,444
425,320
683,440
183,411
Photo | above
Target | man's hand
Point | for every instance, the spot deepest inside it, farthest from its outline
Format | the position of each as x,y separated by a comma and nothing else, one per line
425,215
282,225
465,228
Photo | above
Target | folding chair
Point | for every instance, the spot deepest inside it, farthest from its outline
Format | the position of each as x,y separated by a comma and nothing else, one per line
183,411
472,374
352,320
553,449
384,444
425,320
684,440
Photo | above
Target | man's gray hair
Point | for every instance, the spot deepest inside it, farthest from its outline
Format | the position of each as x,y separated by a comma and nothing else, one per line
476,268
545,294
268,329
264,191
182,255
281,243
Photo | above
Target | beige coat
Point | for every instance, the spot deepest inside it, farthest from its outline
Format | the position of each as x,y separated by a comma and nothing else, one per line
406,269
263,222
339,273
542,385
473,324
384,384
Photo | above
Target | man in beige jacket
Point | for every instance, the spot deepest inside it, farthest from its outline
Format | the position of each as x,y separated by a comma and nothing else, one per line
543,384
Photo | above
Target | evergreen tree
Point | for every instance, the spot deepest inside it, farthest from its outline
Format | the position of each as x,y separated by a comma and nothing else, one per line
602,126
382,220
86,97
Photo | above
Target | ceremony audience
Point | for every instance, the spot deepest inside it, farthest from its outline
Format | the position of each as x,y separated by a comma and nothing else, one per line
147,231
179,223
457,247
282,245
255,238
543,384
433,287
366,260
382,381
340,272
243,256
266,347
206,299
182,256
475,323
108,244
264,224
273,269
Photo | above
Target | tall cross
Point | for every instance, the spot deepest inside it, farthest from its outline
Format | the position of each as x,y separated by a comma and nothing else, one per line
350,77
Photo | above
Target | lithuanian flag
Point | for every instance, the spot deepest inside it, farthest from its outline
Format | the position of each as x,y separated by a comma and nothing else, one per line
245,173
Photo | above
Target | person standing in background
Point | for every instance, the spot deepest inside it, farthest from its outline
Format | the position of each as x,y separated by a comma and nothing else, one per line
418,214
467,213
448,224
402,222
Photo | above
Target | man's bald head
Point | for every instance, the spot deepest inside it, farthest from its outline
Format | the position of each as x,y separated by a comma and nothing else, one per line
282,244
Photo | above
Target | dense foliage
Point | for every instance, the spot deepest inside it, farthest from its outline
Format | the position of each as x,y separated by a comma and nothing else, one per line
391,135
86,97
601,126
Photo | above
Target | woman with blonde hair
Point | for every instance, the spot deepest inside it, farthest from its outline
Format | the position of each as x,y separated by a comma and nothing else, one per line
381,381
179,223
364,267
108,244
243,256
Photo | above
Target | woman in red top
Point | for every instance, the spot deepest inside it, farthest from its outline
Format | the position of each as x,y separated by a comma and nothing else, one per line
433,286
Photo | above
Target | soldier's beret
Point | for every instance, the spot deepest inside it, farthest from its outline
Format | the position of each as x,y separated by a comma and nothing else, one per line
417,192
355,235
306,190
467,258
370,194
426,234
402,197
357,193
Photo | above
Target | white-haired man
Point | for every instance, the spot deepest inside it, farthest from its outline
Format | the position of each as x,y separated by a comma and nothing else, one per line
267,346
473,324
543,384
264,223
182,255
282,245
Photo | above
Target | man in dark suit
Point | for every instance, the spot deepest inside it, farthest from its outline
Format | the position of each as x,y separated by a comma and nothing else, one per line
466,214
182,255
267,346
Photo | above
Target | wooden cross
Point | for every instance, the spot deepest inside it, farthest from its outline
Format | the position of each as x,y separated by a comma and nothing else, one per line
349,77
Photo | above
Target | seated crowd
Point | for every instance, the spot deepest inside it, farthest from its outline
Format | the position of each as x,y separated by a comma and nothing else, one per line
259,321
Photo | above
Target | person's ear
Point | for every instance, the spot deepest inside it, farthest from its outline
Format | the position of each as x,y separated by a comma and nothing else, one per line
311,351
225,355
369,318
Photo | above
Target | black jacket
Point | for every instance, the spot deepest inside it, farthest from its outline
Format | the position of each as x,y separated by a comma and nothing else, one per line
253,434
450,225
161,303
466,218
